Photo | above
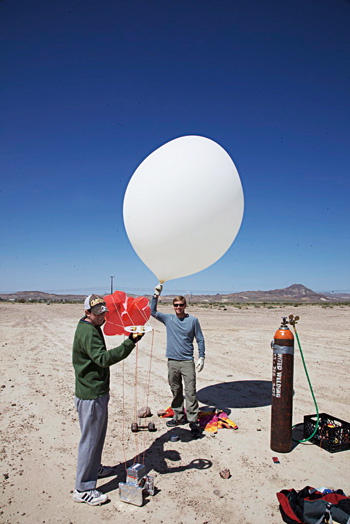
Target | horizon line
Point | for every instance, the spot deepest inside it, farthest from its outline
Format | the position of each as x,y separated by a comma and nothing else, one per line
86,291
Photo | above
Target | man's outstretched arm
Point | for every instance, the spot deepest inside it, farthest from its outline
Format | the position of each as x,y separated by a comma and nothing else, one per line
154,301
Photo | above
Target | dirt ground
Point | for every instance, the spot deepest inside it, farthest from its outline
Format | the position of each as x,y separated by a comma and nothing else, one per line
40,431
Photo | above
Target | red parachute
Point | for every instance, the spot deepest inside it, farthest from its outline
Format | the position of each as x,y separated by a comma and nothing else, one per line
124,311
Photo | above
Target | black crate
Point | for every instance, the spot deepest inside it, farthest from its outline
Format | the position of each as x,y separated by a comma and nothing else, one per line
332,433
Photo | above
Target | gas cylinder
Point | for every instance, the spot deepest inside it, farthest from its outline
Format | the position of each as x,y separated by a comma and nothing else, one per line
282,389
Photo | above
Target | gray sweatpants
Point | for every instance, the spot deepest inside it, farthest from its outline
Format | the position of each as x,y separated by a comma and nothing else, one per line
179,370
93,420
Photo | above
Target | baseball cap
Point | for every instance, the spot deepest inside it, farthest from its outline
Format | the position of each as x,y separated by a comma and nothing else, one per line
96,304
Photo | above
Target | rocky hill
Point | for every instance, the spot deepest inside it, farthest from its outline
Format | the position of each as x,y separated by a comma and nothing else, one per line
297,293
37,296
294,293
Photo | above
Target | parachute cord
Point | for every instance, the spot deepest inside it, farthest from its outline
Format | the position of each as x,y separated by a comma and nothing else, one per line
140,311
116,309
312,392
135,402
147,393
143,314
136,458
123,407
149,369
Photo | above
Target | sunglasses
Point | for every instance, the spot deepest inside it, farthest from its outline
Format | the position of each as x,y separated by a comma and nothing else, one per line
179,305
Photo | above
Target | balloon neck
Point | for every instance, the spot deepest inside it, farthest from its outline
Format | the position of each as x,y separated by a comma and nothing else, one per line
161,281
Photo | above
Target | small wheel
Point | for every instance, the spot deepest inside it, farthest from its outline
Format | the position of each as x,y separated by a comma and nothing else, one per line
151,426
134,427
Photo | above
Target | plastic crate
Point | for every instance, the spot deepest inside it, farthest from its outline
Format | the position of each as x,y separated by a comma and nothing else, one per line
333,434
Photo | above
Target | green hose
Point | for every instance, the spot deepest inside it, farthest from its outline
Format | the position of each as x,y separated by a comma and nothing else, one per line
312,393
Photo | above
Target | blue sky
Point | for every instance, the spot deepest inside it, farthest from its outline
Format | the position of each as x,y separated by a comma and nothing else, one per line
90,89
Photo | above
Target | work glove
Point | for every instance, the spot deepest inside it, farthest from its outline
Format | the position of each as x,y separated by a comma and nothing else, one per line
135,337
158,290
200,364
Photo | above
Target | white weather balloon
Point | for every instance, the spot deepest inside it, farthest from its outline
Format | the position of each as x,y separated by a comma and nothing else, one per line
183,207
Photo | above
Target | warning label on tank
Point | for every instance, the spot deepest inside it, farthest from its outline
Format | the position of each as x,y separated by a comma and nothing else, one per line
277,376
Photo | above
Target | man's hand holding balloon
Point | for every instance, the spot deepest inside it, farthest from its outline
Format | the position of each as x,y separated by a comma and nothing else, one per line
158,289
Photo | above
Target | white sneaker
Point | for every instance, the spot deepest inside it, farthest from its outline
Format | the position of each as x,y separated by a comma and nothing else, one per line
92,497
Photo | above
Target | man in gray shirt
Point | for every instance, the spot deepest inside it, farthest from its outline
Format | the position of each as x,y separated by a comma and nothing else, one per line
181,330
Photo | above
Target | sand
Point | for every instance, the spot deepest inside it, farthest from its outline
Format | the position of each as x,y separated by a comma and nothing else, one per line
40,430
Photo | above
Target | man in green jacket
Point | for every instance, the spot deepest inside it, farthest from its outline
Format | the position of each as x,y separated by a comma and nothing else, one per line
91,362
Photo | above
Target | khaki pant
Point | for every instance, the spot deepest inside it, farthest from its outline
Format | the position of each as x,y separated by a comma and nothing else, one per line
178,371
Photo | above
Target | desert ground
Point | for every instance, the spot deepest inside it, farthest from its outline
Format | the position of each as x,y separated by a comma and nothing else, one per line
40,430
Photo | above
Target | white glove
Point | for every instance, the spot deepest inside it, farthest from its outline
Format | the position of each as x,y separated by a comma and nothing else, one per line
158,290
200,364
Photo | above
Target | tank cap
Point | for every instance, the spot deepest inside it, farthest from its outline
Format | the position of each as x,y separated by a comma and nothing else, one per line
284,323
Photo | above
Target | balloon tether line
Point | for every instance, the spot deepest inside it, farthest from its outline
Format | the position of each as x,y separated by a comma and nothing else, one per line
135,383
123,404
135,401
135,404
148,383
120,318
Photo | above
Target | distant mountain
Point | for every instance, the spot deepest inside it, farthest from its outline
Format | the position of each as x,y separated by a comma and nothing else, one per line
40,295
295,293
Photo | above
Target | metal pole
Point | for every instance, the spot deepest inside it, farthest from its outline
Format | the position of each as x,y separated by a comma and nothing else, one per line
112,285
